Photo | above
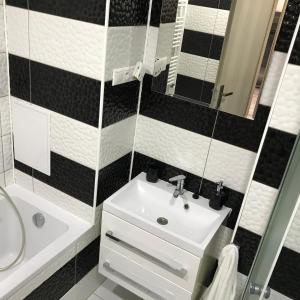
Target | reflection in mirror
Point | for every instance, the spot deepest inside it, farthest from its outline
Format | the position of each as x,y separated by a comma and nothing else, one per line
218,56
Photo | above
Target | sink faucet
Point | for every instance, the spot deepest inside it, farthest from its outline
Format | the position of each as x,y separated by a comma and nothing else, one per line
180,183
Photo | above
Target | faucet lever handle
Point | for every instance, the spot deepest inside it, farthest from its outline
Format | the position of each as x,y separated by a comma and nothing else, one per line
177,178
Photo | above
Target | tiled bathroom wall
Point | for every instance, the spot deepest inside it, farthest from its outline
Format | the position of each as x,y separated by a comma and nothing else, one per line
5,127
205,27
283,127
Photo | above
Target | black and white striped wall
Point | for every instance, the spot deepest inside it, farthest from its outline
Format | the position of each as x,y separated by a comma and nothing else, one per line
5,128
283,127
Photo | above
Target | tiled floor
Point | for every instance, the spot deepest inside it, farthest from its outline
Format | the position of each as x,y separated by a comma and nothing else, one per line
111,291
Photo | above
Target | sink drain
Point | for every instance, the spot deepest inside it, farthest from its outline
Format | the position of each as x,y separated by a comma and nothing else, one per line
162,221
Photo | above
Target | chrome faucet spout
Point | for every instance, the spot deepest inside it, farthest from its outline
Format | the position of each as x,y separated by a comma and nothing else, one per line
180,185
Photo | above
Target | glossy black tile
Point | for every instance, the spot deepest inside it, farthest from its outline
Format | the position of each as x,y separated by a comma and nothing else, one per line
295,55
202,44
155,13
242,132
189,87
19,70
57,285
141,163
18,3
234,199
67,93
128,12
120,102
186,115
286,275
288,26
168,11
87,259
248,242
274,157
92,11
113,177
23,168
221,4
70,177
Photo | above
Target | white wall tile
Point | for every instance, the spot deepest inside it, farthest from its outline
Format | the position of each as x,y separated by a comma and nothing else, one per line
150,49
292,240
17,31
286,115
231,164
3,75
5,115
273,77
198,67
2,33
63,200
125,47
258,207
7,152
23,180
172,145
116,141
206,19
68,44
165,39
74,140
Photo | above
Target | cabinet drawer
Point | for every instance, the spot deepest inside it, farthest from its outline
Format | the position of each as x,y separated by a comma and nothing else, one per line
135,278
153,253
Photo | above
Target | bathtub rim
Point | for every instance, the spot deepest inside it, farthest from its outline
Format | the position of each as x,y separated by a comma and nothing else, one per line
77,227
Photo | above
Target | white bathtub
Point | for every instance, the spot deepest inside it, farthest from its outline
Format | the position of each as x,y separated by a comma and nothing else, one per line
60,231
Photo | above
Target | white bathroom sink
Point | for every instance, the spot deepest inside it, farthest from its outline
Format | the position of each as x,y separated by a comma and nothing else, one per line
141,203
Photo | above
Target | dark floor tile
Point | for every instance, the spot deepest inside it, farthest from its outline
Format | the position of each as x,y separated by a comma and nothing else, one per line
70,177
87,259
128,12
19,77
275,154
67,93
248,242
242,132
57,285
113,177
286,275
120,102
92,11
183,114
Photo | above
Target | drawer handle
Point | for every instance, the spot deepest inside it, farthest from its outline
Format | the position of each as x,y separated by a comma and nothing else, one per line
157,294
178,270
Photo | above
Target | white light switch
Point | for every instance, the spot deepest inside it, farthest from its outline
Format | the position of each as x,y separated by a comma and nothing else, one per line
123,75
31,129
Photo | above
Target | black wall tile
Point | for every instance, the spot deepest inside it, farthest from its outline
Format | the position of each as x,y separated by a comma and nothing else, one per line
87,259
18,3
189,87
274,157
155,13
92,11
19,77
57,285
189,116
23,168
70,177
288,26
120,102
141,163
221,4
128,12
242,132
225,4
113,177
295,55
286,275
202,44
248,242
234,199
67,93
168,11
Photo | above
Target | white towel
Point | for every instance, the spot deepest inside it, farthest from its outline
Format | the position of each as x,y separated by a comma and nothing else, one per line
224,284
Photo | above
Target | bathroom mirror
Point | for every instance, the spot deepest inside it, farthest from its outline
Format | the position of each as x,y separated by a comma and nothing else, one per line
216,53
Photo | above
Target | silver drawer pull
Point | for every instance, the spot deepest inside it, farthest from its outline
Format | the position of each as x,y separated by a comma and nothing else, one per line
149,290
169,264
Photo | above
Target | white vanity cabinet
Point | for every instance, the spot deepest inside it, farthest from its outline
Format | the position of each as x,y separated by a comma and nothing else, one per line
144,263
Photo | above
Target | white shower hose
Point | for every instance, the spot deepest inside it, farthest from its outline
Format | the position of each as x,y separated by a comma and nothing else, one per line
8,198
